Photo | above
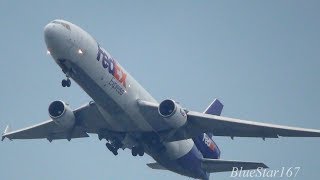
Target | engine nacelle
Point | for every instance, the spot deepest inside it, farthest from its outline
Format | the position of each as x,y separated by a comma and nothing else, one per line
61,114
172,113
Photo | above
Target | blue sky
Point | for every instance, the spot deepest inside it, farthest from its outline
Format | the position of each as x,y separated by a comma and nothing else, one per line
260,58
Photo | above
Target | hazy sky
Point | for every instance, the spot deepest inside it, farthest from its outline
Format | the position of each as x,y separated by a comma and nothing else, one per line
261,58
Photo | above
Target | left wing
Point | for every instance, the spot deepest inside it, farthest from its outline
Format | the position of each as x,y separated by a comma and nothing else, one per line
198,123
88,120
224,126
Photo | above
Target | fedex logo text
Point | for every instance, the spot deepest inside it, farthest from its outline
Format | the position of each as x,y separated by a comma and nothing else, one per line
112,66
208,142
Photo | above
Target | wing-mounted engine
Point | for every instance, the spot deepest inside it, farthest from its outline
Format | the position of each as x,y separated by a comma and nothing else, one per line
61,114
174,115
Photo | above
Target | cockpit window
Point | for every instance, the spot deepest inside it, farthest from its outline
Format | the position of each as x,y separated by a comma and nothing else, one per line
67,26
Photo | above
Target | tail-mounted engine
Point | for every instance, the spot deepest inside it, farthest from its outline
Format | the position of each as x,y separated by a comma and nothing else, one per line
61,114
174,115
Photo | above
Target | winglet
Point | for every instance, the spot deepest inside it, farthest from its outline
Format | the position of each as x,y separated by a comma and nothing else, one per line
5,132
215,108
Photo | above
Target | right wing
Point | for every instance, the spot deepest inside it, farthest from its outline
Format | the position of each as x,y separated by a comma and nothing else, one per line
88,120
48,129
218,165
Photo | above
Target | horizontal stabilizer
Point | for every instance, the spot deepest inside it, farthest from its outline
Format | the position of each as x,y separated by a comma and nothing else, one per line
156,166
218,165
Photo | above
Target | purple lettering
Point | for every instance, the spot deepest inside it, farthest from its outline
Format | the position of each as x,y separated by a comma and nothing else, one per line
110,64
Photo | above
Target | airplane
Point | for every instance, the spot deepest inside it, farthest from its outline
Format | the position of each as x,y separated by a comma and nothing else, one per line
127,116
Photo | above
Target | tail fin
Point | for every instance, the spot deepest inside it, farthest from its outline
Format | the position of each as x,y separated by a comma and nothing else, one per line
215,108
204,142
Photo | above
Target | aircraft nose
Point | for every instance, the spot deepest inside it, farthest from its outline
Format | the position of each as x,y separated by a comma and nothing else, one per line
56,37
49,32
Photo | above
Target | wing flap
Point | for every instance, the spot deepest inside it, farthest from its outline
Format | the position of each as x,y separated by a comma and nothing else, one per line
218,165
71,134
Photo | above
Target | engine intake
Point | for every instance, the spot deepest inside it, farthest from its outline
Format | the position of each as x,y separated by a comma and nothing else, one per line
61,114
172,113
167,108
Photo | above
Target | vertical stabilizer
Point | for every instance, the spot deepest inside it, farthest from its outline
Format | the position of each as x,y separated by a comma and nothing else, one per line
204,142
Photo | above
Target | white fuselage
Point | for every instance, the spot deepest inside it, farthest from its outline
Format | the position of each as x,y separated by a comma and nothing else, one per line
91,75
113,89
